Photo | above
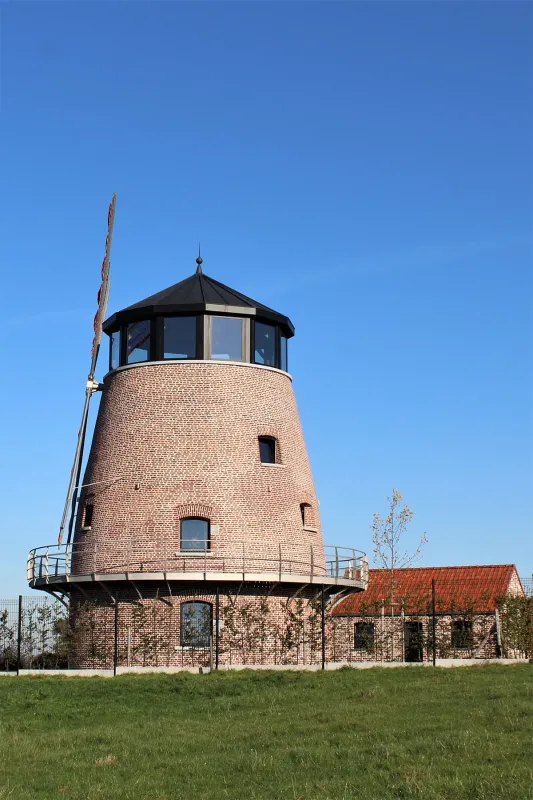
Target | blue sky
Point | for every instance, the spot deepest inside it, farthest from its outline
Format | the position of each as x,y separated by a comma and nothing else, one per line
365,168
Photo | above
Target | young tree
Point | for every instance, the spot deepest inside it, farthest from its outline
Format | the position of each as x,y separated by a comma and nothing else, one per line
389,551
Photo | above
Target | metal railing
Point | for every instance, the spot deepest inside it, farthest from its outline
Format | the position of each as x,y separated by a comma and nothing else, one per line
56,562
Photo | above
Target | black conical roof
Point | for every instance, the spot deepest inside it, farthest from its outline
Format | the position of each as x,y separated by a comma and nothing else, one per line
198,293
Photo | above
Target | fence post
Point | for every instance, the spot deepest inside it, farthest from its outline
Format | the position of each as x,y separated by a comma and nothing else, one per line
19,634
323,616
217,614
433,623
115,654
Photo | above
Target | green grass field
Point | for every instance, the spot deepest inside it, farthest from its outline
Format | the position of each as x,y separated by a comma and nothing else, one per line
369,734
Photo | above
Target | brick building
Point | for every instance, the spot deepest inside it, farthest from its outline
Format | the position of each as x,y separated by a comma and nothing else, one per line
393,620
197,510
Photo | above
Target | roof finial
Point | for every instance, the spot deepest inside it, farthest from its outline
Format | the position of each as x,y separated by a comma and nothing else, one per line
199,261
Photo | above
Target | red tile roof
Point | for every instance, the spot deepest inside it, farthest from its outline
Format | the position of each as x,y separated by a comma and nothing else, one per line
456,589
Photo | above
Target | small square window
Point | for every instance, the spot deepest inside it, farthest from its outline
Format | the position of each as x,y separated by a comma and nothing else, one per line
267,449
364,635
462,636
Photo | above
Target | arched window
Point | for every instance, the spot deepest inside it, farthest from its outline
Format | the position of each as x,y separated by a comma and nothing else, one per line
194,534
196,624
267,449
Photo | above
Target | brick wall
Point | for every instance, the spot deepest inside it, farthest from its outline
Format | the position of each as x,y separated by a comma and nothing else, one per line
179,438
255,627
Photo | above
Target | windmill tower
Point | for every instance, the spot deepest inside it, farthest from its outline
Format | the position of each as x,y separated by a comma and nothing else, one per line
198,483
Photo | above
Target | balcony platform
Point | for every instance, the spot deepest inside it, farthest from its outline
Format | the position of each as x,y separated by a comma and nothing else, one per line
62,568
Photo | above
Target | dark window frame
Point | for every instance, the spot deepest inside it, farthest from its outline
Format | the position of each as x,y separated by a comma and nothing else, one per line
277,356
88,515
272,441
364,635
462,634
208,344
124,342
203,637
304,513
160,337
203,341
207,540
286,367
114,333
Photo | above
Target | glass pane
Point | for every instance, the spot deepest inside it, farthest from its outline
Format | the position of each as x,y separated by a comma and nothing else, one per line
364,635
195,624
267,450
284,363
138,345
265,344
226,338
194,534
114,360
179,337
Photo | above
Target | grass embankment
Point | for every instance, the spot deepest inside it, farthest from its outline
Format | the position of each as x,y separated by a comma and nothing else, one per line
370,735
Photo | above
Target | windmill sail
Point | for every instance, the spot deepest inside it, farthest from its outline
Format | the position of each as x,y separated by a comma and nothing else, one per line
92,385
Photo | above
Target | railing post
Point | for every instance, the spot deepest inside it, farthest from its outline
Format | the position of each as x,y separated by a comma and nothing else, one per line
336,562
279,553
434,623
312,562
46,565
323,626
19,635
217,625
115,653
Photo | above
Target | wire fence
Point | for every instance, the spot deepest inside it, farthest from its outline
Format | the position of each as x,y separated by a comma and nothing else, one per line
151,628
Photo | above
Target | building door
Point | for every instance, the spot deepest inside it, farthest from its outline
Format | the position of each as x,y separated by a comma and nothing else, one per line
414,649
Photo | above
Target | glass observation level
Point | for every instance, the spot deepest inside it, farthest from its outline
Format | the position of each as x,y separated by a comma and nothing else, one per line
199,319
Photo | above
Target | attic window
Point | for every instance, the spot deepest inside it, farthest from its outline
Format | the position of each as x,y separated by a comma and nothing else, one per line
267,449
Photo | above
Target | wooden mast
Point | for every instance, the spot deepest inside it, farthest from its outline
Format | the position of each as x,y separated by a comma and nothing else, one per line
91,385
